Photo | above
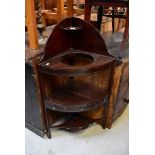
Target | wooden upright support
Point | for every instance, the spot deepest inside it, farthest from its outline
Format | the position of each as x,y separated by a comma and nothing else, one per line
31,24
116,82
60,10
69,8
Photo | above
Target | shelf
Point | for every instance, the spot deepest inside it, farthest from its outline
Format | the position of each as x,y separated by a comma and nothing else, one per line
75,123
76,96
75,62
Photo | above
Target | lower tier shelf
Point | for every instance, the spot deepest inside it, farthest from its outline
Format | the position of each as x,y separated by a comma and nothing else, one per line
76,96
76,123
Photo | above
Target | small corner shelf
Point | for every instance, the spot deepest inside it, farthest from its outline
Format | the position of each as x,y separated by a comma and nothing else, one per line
76,96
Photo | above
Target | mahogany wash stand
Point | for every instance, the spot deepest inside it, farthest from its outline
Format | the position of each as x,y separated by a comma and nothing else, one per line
77,78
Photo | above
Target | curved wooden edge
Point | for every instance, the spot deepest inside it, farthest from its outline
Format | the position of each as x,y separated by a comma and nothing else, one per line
54,66
59,41
73,108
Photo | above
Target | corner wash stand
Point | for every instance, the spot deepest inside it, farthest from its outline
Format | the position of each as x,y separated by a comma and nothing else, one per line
78,81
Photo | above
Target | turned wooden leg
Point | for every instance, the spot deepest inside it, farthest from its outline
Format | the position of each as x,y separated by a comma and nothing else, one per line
48,125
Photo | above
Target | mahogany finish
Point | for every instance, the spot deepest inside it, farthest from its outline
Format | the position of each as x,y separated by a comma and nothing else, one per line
67,66
69,63
102,114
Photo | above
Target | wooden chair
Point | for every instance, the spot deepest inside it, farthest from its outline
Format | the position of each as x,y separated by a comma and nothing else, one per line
31,16
113,13
49,13
106,3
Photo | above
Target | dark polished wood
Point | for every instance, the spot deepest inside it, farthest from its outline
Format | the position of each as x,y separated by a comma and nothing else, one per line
74,39
69,63
99,80
66,68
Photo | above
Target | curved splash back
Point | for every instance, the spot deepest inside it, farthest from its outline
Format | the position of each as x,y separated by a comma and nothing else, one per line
77,34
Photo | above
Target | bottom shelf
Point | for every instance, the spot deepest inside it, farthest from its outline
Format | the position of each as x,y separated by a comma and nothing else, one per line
76,122
76,96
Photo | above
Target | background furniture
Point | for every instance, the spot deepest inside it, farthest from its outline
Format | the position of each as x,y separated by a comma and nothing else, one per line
31,24
106,3
112,12
45,10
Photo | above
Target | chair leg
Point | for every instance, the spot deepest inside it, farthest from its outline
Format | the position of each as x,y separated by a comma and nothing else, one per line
48,126
99,17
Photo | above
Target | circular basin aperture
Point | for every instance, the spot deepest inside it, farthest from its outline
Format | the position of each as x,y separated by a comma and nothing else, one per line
77,59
